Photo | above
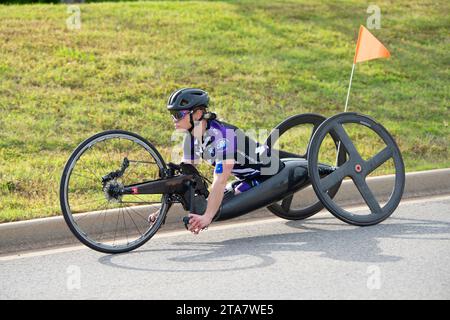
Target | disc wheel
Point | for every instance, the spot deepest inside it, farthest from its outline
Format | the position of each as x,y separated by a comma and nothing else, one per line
356,168
94,208
307,123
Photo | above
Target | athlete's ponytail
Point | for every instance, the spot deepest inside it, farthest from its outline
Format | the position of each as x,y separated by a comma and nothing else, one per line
209,116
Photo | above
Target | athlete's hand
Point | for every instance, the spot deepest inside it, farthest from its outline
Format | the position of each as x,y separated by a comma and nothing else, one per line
198,222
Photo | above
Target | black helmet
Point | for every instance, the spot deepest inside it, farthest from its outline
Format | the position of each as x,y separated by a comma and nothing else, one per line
187,99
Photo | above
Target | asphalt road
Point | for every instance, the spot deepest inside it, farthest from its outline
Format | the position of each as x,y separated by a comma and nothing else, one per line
406,256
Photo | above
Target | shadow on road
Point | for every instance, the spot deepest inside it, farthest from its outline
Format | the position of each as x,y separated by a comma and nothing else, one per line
327,236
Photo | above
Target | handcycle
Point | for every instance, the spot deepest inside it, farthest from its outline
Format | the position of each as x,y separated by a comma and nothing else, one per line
117,176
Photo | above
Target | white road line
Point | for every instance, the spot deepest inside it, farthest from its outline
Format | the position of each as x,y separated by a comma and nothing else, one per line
217,227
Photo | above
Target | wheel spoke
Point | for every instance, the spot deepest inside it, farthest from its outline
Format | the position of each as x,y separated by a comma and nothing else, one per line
335,177
127,175
139,161
86,177
103,207
115,231
103,226
131,208
124,224
378,159
141,202
96,176
99,156
286,203
126,210
91,201
345,140
367,194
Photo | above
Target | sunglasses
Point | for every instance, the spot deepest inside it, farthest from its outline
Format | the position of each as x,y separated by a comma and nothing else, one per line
178,115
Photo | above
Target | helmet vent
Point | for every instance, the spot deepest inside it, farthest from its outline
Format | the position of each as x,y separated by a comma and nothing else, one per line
174,96
188,99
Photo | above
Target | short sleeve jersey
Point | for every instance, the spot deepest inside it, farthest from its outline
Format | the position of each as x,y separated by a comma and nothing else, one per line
223,141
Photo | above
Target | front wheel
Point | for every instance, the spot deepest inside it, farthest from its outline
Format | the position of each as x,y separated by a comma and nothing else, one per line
369,146
94,208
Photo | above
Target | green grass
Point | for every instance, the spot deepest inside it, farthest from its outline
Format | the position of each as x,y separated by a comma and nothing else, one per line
261,61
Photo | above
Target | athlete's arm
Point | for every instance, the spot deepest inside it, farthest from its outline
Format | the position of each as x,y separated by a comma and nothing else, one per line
215,197
217,188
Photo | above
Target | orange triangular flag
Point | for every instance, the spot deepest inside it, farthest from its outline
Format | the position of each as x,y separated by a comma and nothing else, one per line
368,47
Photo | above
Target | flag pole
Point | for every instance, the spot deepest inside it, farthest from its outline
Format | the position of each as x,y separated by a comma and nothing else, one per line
367,48
349,86
346,105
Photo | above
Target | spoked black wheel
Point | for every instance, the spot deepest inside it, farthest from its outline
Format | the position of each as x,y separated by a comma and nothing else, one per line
94,208
287,137
357,168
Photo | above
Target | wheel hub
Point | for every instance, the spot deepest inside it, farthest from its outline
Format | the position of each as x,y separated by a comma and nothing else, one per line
358,168
113,191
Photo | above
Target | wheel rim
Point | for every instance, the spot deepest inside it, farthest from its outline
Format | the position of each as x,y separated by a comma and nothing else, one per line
356,168
284,209
97,215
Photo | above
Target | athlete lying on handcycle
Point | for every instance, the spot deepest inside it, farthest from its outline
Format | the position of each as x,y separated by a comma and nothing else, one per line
217,143
115,175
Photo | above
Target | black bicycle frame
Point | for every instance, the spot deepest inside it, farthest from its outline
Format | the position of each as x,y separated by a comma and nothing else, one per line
174,184
292,177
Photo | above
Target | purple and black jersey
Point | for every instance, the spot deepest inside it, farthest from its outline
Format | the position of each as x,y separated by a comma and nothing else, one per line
223,141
